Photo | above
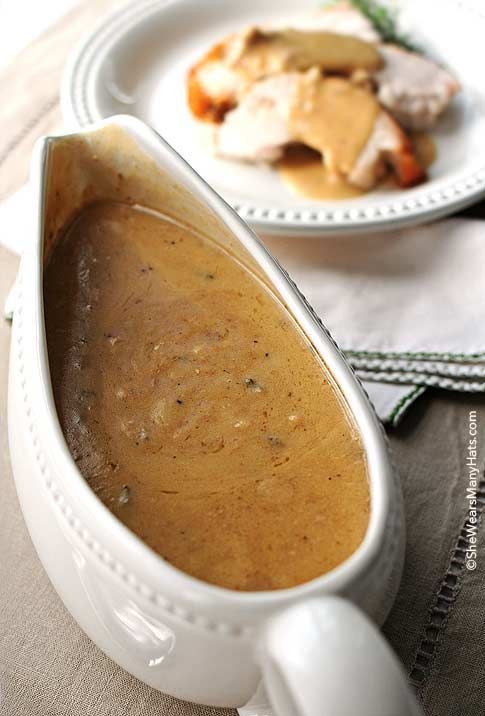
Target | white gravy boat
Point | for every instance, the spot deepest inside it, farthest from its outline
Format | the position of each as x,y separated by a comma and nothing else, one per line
315,646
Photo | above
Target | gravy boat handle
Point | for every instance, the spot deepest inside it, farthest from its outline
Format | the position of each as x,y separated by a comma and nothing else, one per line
324,656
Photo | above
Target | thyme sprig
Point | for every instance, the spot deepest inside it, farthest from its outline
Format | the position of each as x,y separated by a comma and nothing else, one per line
384,21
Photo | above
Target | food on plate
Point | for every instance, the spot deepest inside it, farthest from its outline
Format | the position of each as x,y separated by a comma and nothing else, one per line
194,406
229,70
325,82
338,119
415,89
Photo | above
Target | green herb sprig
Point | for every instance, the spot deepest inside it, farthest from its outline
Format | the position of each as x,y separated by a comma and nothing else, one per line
384,21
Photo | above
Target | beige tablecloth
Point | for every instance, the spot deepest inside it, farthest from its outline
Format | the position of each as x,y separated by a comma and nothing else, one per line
437,626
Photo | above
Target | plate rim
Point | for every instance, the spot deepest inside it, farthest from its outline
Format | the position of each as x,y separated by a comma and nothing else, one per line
390,213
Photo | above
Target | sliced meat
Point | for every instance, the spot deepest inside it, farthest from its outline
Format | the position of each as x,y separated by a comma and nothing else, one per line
213,86
388,147
413,88
259,129
224,75
279,111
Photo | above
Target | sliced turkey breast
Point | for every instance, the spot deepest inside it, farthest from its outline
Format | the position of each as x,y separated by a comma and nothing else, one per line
356,138
388,147
259,129
225,74
413,88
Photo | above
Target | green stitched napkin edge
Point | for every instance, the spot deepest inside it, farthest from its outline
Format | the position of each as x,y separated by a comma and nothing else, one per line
398,411
420,379
458,357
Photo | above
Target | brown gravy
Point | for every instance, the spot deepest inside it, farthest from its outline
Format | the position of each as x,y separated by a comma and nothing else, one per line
194,407
303,172
335,118
258,53
425,148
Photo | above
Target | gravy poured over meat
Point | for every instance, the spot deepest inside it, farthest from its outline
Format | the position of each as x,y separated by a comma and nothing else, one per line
195,408
326,83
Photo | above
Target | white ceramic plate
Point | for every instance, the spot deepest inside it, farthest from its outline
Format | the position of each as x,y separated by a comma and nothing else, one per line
136,60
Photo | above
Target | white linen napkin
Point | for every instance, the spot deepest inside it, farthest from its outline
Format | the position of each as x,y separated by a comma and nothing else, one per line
407,307
16,220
